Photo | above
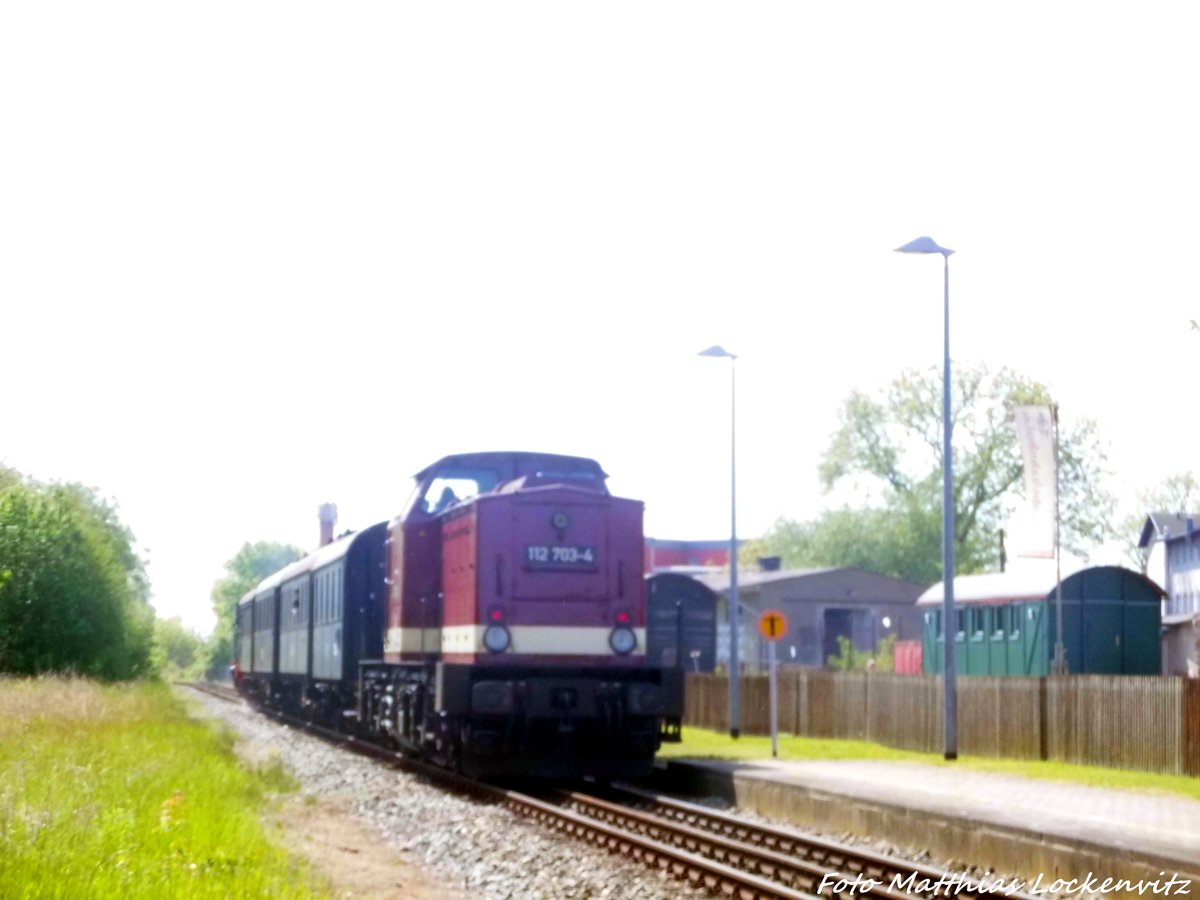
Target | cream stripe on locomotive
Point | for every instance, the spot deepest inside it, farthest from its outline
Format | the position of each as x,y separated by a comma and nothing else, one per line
557,640
526,639
413,640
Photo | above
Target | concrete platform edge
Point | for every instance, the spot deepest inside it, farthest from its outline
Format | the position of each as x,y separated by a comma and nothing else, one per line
965,840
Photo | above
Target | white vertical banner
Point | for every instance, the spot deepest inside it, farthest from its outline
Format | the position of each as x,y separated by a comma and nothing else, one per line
1035,434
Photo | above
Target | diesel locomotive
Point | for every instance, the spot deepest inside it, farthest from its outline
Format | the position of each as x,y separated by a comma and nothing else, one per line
496,626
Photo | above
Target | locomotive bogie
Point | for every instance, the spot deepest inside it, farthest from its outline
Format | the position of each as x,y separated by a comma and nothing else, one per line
548,721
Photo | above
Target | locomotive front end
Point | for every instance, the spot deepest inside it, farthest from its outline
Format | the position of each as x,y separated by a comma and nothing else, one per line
544,636
516,624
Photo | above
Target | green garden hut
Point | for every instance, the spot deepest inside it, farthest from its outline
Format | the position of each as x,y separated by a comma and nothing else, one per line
1006,623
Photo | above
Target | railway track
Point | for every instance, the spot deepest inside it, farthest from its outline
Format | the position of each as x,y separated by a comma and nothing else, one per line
804,855
725,854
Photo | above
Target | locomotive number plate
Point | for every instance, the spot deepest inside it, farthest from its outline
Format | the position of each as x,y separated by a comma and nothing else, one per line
560,556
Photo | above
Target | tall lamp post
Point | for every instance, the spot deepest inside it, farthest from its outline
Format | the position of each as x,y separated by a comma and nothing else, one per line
949,674
734,610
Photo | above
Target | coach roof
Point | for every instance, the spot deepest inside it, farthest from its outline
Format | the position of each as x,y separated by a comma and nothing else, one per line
322,556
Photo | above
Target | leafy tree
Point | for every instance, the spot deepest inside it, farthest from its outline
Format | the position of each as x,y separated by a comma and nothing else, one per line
1178,493
251,564
73,595
876,540
888,451
179,652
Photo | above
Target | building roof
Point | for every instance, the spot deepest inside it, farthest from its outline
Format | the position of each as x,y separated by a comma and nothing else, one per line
686,570
1176,619
1165,526
1003,587
719,581
841,580
995,586
671,544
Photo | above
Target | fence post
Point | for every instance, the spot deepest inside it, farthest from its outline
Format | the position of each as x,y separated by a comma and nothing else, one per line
802,703
1043,719
1190,709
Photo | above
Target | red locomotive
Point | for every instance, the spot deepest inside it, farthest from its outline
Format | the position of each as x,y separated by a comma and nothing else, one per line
500,627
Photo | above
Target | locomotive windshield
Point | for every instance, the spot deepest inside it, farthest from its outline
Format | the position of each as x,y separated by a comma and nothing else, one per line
456,478
451,485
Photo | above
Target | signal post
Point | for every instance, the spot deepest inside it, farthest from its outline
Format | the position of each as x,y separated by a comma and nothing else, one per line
773,625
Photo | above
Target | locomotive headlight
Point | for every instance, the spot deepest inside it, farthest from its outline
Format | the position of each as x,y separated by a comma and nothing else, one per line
622,640
496,638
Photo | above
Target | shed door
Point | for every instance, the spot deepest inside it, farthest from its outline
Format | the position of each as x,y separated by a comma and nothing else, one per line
1101,639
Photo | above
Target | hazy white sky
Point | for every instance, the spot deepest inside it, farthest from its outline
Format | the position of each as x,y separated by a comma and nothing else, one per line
255,256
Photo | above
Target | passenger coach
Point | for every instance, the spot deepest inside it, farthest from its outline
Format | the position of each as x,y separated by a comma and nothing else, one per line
306,628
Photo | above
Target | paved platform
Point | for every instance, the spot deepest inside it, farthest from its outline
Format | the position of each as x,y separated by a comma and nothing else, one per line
1017,825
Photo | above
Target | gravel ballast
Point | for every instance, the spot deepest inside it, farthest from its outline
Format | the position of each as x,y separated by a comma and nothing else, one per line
467,844
470,845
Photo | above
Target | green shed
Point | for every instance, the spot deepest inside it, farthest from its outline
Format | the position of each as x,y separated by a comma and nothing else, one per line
1006,624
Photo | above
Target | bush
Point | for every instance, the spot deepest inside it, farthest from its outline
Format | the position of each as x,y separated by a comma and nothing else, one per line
848,659
73,593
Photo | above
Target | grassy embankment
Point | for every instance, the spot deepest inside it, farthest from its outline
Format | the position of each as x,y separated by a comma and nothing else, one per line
698,742
115,792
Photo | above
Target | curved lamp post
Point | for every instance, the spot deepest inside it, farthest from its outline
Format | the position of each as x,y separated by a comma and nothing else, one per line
949,670
734,611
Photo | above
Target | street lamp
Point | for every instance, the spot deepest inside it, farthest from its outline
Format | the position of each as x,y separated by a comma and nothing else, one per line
949,673
734,612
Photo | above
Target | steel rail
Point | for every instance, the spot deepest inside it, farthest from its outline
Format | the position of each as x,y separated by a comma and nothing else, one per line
795,872
721,853
925,880
712,875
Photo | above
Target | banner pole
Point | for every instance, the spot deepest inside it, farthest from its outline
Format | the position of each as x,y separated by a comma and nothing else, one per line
1060,646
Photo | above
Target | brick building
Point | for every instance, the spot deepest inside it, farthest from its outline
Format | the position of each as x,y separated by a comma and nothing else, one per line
685,556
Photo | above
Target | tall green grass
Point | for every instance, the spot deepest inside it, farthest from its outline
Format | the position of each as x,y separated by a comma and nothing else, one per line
115,792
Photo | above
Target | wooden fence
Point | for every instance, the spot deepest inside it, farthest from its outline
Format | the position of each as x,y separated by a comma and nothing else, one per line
1147,723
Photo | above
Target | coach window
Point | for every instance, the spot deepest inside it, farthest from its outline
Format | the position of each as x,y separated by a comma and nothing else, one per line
1014,622
976,620
959,624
